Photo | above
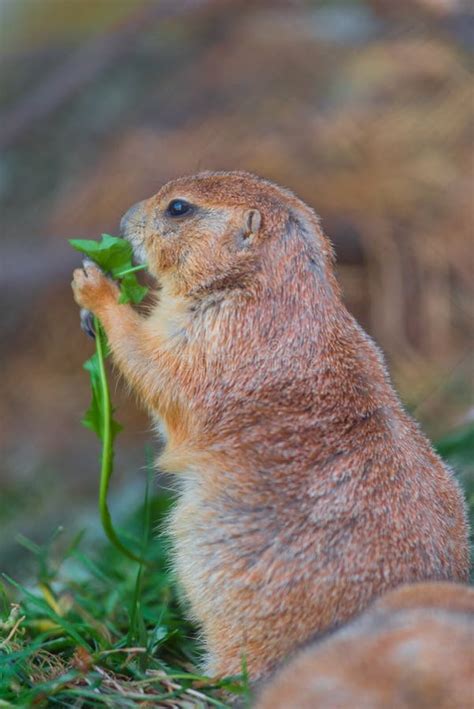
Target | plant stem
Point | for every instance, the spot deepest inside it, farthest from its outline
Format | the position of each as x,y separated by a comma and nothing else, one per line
106,465
133,269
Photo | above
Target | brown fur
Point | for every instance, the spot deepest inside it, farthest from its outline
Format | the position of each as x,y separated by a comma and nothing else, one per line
306,490
447,596
414,649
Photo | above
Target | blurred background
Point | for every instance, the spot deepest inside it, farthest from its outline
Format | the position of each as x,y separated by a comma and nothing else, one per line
363,108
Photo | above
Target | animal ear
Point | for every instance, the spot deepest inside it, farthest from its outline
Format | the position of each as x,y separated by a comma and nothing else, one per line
250,225
252,220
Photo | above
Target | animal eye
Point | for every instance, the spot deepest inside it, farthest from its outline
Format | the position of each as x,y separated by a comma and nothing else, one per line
178,208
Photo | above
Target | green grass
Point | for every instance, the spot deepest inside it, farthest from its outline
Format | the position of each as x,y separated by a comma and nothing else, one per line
95,629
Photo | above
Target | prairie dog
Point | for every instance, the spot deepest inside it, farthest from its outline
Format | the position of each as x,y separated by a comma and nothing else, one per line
413,649
305,489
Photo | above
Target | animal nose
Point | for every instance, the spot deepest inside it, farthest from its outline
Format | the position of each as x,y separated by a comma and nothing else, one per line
132,219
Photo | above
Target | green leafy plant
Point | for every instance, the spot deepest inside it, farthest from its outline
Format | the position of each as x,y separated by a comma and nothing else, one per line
114,256
93,629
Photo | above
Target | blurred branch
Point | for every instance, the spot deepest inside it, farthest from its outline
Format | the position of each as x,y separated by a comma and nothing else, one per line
84,65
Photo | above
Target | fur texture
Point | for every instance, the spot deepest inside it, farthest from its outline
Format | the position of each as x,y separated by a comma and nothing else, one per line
412,650
306,490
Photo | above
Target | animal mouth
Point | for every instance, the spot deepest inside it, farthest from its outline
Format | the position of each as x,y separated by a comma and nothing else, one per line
132,230
138,247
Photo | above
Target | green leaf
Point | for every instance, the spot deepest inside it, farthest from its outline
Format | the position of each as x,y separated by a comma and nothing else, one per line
114,256
95,414
130,290
4,605
111,253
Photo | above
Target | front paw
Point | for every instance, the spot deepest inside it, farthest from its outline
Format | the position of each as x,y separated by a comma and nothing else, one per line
92,289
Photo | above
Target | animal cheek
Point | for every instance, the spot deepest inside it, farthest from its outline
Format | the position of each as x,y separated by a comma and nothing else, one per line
166,254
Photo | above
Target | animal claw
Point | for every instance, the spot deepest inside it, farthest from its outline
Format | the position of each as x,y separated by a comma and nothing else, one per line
87,322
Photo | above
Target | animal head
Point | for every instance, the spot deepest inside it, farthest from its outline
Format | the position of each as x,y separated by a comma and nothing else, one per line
210,231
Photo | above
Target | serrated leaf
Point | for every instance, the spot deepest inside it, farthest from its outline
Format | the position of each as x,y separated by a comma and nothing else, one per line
95,414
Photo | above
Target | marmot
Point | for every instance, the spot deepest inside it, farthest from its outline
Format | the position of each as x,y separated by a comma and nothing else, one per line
414,648
305,488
